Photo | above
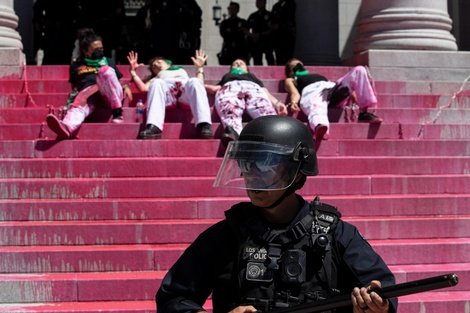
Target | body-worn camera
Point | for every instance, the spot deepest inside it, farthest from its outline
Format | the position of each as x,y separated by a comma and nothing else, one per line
292,265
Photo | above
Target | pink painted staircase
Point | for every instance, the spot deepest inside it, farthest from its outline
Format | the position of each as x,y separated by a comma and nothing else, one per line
93,224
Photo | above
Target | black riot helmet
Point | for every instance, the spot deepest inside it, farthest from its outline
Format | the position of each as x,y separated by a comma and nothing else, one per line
268,145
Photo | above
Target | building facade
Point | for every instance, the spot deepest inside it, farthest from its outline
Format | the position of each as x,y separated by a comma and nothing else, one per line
341,41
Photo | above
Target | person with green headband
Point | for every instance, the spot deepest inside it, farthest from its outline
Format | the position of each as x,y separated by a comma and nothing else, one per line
169,85
240,90
314,94
96,80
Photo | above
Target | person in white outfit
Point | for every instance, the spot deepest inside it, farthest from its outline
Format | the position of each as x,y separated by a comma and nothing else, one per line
314,94
166,87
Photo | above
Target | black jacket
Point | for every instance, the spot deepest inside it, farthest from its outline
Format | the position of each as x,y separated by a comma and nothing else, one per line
209,266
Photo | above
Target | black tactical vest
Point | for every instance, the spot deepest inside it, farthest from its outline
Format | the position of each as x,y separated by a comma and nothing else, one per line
280,268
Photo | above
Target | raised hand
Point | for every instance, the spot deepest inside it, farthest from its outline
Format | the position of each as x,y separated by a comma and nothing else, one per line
200,58
132,57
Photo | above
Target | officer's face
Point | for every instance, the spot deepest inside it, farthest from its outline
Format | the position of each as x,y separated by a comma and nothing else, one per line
265,174
264,198
263,177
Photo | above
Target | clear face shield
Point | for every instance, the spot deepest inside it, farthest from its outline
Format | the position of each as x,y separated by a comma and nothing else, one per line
257,165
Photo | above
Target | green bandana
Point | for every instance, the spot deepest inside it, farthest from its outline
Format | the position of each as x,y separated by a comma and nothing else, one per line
237,71
300,73
172,67
96,63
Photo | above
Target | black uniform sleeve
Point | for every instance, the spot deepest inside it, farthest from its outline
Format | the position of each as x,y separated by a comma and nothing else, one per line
190,281
361,261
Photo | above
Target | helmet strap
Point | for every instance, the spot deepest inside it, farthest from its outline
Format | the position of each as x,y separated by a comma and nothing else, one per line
291,189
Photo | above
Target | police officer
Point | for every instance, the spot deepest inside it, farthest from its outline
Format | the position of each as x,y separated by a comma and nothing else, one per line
233,31
260,38
277,250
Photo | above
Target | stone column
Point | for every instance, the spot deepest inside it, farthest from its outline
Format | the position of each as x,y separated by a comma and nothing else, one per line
317,41
404,25
11,56
9,37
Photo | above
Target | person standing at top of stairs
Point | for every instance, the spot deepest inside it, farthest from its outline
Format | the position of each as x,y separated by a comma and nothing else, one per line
169,85
96,78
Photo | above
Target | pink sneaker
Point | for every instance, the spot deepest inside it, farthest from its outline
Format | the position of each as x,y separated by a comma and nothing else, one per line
57,127
320,132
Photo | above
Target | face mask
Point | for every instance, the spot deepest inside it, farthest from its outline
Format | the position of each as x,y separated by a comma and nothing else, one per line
97,54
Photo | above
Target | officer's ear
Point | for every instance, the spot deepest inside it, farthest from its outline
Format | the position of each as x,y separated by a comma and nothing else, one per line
299,181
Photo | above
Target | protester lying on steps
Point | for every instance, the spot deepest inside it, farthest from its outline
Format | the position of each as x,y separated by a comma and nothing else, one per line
169,85
314,94
240,90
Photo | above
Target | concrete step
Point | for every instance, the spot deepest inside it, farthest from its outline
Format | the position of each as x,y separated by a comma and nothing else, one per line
125,286
396,86
153,257
83,307
209,166
213,208
76,233
210,148
120,148
429,301
211,72
181,129
148,187
444,301
81,287
79,236
389,115
377,147
415,65
423,251
385,100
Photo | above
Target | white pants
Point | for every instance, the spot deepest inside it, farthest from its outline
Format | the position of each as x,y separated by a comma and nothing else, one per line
168,92
110,95
314,102
236,96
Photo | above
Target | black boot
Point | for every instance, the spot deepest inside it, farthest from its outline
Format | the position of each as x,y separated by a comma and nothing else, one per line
151,132
117,115
229,135
204,131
